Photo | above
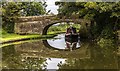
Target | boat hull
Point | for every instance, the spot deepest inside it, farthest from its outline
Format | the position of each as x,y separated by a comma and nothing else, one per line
71,38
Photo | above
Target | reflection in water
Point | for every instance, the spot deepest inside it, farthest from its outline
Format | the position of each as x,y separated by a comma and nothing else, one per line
71,43
53,63
100,58
16,60
62,43
35,55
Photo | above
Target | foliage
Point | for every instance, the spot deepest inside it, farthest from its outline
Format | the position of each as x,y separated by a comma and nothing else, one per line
2,32
60,28
105,42
32,8
12,10
83,32
102,14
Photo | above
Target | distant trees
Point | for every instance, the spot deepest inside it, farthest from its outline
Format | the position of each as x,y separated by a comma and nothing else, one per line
106,15
32,8
12,10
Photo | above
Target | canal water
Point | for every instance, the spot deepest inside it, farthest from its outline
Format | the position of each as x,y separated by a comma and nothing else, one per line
59,53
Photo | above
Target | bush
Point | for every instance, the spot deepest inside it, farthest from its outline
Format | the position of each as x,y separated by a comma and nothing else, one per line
2,32
83,32
105,42
10,12
108,33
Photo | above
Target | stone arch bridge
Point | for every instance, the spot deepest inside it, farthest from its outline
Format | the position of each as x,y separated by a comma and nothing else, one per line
40,24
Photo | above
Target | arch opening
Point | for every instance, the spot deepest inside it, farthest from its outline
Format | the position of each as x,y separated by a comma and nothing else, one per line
60,27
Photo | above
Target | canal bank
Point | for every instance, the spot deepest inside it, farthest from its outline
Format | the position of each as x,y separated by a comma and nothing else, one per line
8,38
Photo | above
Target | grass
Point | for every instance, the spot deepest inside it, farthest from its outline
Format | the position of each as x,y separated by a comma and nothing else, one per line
9,37
55,32
19,42
6,37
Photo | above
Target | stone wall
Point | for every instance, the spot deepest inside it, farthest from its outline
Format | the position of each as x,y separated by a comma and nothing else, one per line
31,24
37,24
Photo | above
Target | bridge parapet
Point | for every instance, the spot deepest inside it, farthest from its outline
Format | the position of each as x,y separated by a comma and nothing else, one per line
35,18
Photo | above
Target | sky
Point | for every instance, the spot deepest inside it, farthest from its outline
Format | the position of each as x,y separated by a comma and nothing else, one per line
51,6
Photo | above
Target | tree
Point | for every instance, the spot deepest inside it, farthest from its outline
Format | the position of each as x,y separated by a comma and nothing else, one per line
106,15
12,10
32,8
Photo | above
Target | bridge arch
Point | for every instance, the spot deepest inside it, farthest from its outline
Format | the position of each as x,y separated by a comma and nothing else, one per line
40,24
44,32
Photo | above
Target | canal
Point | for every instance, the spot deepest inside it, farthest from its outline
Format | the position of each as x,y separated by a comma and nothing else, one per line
59,53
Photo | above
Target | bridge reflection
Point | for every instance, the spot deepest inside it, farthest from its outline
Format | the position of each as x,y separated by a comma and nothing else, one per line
42,48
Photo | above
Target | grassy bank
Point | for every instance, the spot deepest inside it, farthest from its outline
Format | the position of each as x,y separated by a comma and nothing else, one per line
19,42
7,38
